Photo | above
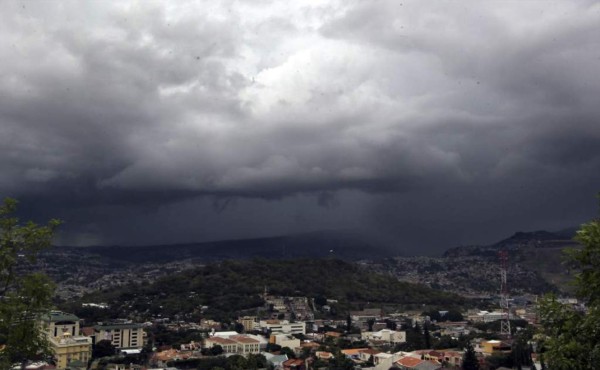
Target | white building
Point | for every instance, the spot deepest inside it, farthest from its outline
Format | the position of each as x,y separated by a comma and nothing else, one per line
285,340
386,335
282,326
238,343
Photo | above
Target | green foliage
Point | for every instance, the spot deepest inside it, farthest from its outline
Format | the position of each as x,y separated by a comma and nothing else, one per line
164,336
103,348
233,286
287,351
272,347
234,362
470,361
340,362
571,336
426,337
497,360
414,339
521,350
25,297
445,342
451,315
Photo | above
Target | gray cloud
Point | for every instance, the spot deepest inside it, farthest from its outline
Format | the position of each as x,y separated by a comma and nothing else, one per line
424,120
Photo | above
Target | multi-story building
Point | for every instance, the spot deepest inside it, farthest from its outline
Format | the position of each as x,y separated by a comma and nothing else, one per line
228,345
68,349
122,335
58,323
240,344
385,335
249,322
285,340
62,330
246,344
282,326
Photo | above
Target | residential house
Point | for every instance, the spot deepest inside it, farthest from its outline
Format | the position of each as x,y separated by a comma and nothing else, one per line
367,354
324,355
294,364
412,363
275,360
490,347
353,353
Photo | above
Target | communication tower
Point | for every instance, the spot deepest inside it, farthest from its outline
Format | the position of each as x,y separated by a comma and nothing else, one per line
504,307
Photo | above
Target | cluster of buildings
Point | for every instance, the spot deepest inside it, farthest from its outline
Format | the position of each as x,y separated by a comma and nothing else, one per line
72,345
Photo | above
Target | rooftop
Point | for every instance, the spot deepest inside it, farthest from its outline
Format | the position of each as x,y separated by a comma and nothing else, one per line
117,325
409,361
244,339
221,340
58,316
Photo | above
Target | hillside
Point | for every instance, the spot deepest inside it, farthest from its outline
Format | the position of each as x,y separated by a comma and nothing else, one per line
518,241
232,286
344,245
535,266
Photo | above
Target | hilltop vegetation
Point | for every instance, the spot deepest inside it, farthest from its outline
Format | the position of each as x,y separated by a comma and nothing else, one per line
229,287
535,263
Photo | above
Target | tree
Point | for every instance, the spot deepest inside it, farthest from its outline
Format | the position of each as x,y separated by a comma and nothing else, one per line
25,298
288,351
521,351
239,327
103,348
236,362
454,315
470,361
572,336
426,336
370,362
257,361
216,350
370,323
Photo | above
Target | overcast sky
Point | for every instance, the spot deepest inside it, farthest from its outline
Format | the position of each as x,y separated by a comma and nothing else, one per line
429,124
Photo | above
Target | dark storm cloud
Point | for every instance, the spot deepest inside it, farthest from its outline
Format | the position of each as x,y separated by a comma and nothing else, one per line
404,109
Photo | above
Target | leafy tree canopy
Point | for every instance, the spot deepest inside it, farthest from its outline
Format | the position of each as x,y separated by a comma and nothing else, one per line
571,335
25,297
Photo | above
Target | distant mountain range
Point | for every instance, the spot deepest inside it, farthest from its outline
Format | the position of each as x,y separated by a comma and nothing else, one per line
518,241
536,259
343,245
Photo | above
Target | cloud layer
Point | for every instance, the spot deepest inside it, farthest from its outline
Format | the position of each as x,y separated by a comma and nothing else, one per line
396,104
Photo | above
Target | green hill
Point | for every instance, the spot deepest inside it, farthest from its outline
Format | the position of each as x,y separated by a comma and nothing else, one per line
230,287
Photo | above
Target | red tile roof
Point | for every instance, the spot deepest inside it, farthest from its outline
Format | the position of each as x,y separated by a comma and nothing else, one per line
87,331
244,339
409,361
220,340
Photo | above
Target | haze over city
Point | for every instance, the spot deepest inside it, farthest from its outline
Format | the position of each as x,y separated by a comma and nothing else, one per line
427,125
